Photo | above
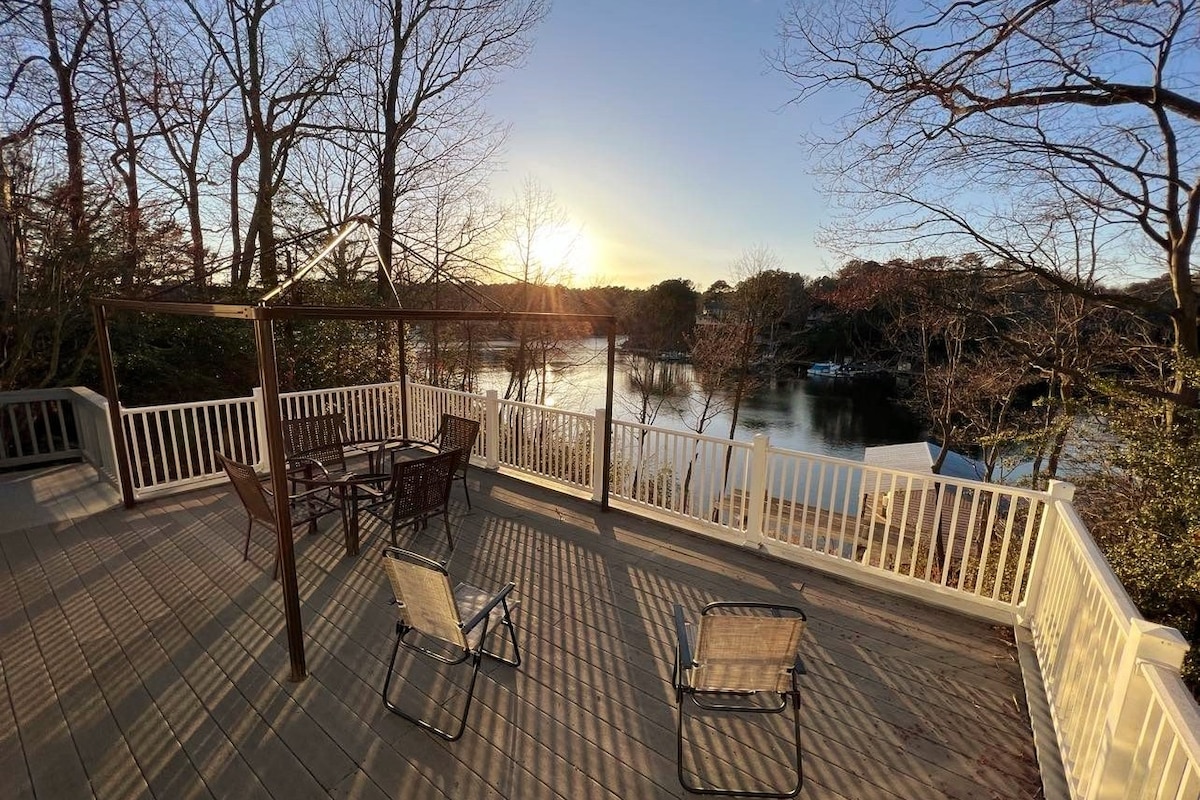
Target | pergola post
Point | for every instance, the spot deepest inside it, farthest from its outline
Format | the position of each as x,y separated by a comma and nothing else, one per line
108,375
608,412
264,338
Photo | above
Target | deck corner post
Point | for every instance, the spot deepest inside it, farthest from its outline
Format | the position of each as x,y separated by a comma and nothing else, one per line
1147,643
491,428
108,373
756,489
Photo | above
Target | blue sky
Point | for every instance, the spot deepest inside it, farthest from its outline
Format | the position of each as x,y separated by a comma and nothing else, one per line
665,136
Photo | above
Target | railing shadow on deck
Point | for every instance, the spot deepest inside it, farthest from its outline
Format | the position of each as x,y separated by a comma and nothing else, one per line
1009,555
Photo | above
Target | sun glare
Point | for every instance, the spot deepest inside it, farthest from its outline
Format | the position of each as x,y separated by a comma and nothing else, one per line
563,253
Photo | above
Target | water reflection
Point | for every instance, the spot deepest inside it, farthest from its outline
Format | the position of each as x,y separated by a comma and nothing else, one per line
837,418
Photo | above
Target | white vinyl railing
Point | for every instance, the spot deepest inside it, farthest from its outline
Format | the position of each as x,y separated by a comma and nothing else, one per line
678,473
427,404
968,540
94,427
42,425
1165,760
1126,725
549,443
37,426
172,446
371,411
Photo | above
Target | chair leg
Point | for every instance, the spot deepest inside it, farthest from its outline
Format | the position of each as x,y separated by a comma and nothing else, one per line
507,622
799,768
446,525
448,735
466,490
249,529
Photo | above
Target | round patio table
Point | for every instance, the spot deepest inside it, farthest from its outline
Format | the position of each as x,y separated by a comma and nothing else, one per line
350,486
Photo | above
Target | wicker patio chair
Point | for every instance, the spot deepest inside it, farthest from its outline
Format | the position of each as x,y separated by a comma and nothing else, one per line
316,444
459,433
742,659
419,489
455,623
307,506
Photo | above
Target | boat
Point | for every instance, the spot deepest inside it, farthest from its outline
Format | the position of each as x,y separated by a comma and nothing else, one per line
824,369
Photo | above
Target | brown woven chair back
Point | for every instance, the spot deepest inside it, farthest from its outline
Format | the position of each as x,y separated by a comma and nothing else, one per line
458,433
317,437
423,486
739,653
249,489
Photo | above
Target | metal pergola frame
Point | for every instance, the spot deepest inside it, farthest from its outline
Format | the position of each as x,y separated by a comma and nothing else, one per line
263,318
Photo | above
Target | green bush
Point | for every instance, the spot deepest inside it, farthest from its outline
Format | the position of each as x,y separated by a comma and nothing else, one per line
1143,509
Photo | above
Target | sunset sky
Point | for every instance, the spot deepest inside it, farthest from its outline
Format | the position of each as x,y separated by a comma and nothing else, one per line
664,135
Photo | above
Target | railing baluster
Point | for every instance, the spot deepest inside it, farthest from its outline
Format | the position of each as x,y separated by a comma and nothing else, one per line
986,546
139,445
969,538
61,416
45,418
18,430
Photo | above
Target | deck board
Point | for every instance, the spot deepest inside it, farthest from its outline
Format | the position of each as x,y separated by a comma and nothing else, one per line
139,656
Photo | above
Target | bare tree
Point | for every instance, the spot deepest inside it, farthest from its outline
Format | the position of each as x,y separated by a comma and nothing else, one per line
282,68
122,129
183,94
715,355
429,64
48,54
1012,126
47,46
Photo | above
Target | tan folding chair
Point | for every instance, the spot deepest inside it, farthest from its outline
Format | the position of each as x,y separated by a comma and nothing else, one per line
456,622
741,654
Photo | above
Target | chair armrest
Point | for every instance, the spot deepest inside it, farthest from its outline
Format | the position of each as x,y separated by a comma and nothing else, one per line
376,454
309,493
374,486
293,496
482,613
306,463
685,647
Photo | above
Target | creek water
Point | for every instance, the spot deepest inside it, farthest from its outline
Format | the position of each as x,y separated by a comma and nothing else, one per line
822,416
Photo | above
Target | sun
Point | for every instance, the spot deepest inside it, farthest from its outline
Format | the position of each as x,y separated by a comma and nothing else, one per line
563,252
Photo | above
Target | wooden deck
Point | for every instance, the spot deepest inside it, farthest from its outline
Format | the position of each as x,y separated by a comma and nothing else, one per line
140,657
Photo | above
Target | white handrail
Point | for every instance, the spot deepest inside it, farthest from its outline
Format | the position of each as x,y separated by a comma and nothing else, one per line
1100,663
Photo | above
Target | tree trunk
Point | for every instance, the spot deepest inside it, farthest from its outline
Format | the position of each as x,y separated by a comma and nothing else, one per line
71,134
239,269
199,274
125,159
264,213
1184,318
